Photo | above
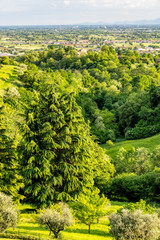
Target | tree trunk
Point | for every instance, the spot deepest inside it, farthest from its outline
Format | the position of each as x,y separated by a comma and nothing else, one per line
89,230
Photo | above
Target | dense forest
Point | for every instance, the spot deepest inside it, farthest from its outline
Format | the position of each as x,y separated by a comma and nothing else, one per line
62,106
59,107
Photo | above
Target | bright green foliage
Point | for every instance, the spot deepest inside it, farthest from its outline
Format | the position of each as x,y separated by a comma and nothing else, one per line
57,152
56,219
10,179
146,208
156,156
133,160
8,213
90,206
134,225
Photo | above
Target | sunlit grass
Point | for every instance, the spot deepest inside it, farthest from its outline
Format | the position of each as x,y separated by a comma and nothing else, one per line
28,225
150,143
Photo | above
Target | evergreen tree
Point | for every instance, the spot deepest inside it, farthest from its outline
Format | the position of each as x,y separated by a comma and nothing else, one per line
10,179
57,151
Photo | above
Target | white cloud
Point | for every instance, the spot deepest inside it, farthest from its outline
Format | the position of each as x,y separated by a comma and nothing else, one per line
119,3
54,4
89,2
129,3
67,2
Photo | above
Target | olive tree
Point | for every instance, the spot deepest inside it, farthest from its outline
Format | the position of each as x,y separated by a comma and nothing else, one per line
8,213
56,219
134,225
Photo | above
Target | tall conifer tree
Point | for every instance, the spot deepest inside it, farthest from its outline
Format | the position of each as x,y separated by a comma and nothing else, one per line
10,179
56,152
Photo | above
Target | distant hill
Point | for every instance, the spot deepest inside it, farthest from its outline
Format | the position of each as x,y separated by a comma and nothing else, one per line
151,143
139,22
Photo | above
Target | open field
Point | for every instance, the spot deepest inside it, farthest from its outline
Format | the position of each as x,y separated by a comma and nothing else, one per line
150,143
28,225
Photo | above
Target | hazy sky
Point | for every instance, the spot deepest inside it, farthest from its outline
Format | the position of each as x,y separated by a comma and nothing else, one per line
44,12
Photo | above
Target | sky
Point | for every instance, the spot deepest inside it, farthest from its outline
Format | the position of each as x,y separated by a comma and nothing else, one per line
53,12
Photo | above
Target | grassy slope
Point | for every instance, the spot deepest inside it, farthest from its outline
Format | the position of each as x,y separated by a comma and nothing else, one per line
8,75
28,225
149,143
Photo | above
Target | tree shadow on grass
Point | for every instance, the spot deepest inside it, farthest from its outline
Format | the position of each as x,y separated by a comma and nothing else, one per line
93,232
32,228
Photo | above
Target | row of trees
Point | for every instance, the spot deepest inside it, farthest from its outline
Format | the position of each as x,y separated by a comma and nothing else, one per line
137,221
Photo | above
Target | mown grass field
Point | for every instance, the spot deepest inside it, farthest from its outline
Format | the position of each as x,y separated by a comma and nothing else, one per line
150,143
28,225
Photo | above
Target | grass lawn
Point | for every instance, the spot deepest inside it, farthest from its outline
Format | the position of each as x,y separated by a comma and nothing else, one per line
28,225
150,143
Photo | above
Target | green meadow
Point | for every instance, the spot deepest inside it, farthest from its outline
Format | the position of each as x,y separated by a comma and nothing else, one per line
150,143
28,225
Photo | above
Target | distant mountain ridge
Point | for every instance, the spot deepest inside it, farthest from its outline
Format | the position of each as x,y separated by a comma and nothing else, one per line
138,22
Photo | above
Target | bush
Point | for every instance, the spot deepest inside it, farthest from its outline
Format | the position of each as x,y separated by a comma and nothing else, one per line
18,236
142,132
134,225
133,187
141,205
110,143
56,219
8,213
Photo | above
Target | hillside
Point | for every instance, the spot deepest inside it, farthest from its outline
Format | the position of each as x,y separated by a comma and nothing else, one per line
150,143
8,77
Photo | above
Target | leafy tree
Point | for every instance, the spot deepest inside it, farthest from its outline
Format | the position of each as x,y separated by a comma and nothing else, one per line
134,160
8,213
56,219
90,206
156,157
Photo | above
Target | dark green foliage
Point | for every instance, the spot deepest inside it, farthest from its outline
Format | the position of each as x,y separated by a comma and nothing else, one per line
142,132
133,187
57,152
10,179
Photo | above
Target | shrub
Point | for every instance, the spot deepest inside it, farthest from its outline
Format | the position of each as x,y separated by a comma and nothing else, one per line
142,132
18,236
110,143
56,219
133,187
8,213
134,225
141,205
